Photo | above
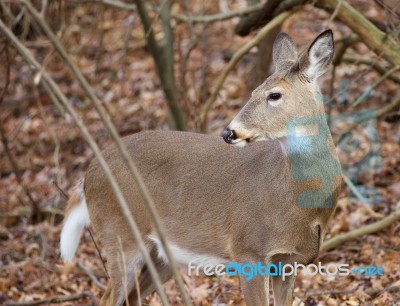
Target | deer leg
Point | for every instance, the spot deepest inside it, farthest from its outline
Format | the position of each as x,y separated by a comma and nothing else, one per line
255,291
122,267
146,286
283,289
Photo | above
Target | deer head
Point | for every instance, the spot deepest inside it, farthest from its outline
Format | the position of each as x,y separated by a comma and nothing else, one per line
291,92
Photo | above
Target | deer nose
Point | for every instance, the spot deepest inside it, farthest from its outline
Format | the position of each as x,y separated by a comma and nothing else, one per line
229,135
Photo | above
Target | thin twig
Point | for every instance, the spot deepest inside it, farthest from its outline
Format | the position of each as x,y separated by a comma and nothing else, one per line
335,12
62,192
359,60
56,299
26,212
204,60
373,114
218,17
35,216
56,140
123,270
191,19
354,189
7,78
136,273
91,275
368,92
368,208
44,244
98,252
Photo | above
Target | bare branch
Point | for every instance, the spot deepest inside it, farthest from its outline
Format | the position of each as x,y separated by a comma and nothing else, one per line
98,252
270,9
373,37
359,232
194,19
164,60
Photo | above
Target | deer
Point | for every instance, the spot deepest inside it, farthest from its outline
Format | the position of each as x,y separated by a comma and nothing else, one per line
263,192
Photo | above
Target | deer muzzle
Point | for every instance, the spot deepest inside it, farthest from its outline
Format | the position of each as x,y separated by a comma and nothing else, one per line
229,135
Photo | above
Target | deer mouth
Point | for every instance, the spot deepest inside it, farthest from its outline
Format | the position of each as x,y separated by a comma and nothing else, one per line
240,142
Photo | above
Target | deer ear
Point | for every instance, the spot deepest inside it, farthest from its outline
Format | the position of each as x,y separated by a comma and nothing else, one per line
284,52
319,55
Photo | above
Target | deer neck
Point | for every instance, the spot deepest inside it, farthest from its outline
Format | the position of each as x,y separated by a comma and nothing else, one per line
312,160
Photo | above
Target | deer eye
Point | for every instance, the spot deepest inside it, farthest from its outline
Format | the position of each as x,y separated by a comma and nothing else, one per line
274,96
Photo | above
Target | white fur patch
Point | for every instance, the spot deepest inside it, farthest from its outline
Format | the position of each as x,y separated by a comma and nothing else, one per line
239,143
71,233
184,257
276,103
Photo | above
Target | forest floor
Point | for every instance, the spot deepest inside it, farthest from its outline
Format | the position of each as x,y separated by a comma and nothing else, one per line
51,155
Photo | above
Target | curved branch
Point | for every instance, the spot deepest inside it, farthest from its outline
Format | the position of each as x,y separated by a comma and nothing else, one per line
270,9
373,37
365,230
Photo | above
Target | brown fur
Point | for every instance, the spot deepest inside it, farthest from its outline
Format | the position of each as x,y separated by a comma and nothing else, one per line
74,199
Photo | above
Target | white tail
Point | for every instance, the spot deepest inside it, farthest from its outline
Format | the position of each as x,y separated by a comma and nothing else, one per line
76,219
222,203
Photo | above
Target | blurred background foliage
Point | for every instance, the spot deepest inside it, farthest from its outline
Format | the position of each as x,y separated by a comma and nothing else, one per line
181,65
